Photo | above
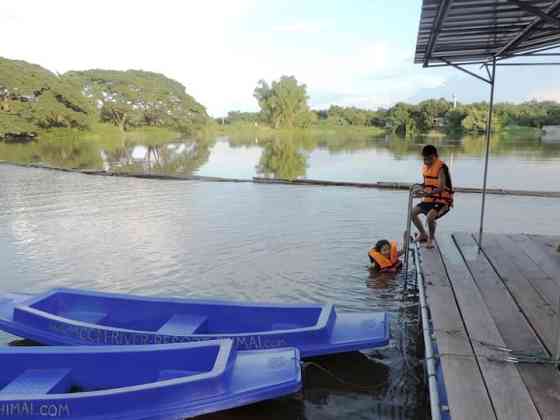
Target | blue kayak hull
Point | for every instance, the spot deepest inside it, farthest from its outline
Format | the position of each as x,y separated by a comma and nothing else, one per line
76,317
141,382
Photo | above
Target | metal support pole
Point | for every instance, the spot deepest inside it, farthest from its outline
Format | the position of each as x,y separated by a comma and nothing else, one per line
487,154
406,244
557,350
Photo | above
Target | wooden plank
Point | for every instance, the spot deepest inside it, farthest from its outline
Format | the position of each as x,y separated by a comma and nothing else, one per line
541,381
466,393
536,309
549,265
547,240
432,266
549,246
508,393
541,281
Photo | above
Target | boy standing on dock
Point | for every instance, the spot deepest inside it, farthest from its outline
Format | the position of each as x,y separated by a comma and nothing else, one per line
437,193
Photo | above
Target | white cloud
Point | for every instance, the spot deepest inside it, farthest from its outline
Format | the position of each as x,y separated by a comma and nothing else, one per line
550,94
299,27
212,48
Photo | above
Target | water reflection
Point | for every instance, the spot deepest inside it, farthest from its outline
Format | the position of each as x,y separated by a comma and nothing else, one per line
381,280
336,155
282,159
183,158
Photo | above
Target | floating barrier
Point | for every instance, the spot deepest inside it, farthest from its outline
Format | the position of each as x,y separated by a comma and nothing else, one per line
305,182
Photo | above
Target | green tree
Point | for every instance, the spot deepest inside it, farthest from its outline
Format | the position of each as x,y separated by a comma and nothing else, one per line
14,127
33,98
50,111
136,98
455,119
430,111
400,119
476,118
283,102
244,117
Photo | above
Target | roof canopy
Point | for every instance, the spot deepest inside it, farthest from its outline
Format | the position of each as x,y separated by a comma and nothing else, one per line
475,31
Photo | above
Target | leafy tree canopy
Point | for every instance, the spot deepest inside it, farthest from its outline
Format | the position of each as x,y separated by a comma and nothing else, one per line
284,103
33,98
137,98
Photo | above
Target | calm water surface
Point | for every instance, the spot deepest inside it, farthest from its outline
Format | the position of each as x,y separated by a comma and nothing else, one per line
258,242
238,241
516,163
527,165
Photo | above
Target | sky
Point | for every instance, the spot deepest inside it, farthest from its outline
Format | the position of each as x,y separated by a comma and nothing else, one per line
348,53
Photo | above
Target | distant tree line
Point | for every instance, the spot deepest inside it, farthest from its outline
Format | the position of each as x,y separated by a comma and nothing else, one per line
34,99
284,105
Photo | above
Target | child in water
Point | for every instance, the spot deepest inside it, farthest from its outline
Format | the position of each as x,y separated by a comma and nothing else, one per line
385,256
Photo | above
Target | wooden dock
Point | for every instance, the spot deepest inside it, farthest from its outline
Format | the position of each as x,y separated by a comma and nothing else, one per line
494,325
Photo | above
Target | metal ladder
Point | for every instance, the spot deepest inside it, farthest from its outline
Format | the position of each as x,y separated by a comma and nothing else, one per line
407,232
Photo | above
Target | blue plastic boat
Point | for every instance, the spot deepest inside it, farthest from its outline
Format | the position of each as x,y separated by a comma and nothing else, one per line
141,382
76,317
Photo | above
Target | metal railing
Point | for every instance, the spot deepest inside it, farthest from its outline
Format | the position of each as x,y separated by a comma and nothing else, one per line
407,233
435,407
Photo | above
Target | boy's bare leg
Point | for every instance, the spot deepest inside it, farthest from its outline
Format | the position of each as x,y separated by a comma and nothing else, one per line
431,220
418,223
432,223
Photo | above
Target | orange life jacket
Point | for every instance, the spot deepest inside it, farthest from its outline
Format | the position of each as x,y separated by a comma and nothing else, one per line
383,262
431,182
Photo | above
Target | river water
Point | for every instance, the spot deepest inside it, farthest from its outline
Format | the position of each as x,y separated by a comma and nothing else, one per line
273,243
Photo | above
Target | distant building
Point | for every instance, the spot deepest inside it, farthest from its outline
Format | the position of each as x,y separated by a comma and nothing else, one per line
551,134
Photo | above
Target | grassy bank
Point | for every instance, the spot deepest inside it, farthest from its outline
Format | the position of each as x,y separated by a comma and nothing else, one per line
264,131
519,133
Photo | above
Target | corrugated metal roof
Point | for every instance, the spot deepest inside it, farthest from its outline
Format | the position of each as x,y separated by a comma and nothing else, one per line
462,31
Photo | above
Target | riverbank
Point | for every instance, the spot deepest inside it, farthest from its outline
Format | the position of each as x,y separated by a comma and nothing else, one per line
342,154
257,130
261,131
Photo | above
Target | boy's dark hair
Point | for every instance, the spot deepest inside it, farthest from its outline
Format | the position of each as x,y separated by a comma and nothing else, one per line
380,244
429,150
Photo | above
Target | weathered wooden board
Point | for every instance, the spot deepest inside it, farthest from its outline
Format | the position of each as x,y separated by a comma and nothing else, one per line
541,381
540,255
466,392
537,310
509,395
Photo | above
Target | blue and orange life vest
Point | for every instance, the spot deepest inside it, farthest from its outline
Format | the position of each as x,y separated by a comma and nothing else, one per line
384,263
431,182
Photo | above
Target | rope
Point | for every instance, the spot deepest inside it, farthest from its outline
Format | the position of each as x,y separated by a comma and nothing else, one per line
341,381
513,356
505,359
520,353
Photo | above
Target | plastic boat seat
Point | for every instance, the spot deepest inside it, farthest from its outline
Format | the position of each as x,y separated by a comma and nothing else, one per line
181,324
84,316
39,381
